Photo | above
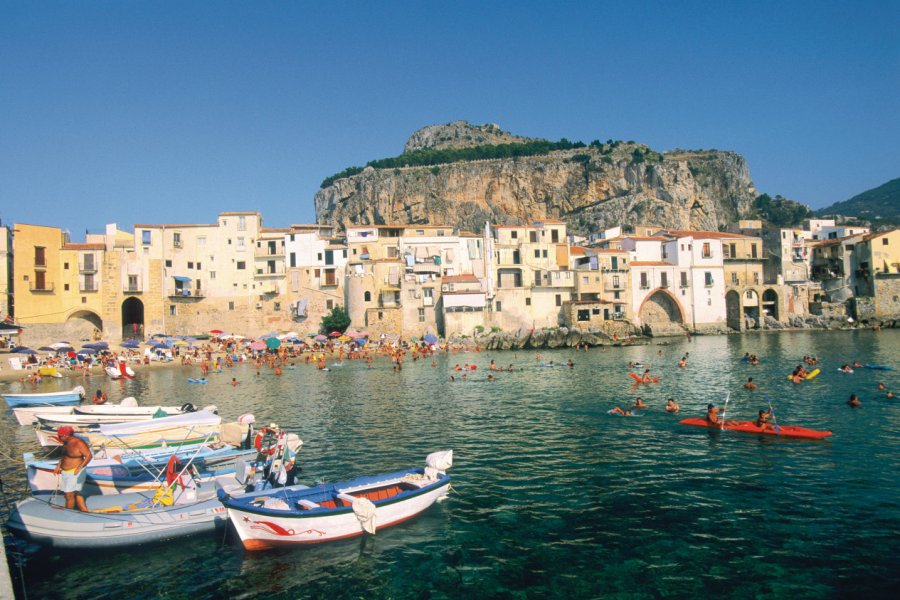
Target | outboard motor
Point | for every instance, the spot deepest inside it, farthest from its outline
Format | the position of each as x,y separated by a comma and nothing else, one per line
187,407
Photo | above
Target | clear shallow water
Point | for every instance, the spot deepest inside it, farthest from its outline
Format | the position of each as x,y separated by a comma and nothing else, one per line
553,497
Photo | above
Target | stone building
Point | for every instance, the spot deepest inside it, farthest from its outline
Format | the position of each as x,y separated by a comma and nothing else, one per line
316,272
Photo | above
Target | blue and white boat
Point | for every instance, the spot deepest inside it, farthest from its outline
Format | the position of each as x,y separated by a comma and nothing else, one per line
309,515
73,396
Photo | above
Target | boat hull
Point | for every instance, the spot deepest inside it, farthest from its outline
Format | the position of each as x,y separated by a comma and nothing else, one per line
49,399
26,415
260,528
50,524
750,427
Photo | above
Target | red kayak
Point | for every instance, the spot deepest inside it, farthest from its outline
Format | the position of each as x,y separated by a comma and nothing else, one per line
638,379
750,427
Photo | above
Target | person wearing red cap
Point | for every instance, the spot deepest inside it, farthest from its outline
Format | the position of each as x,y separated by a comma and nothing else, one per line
76,456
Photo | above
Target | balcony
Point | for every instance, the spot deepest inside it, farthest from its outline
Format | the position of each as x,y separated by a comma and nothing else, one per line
46,288
87,267
611,270
268,253
88,287
132,289
185,294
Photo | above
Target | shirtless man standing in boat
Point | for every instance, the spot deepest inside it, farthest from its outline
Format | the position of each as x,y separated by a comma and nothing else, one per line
76,456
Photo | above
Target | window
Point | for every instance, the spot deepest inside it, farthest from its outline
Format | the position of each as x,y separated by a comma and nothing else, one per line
367,296
532,237
583,315
329,304
242,223
145,237
169,263
277,306
66,287
884,241
190,265
428,296
231,306
176,239
212,274
240,244
271,269
66,266
172,310
616,295
40,256
753,250
544,253
554,235
665,252
514,235
645,283
734,279
684,279
293,259
198,266
559,299
537,253
499,307
708,278
421,315
756,278
584,279
201,241
241,265
615,281
733,250
664,280
707,251
527,301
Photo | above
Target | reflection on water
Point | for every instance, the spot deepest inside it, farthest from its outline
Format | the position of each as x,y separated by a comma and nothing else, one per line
553,497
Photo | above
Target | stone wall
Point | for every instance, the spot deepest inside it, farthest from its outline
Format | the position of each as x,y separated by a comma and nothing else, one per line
887,296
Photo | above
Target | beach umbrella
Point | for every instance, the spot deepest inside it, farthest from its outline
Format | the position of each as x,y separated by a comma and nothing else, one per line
334,334
272,343
60,345
266,336
361,341
430,338
158,335
47,349
295,340
87,350
24,350
180,343
130,344
344,338
97,345
257,346
216,332
320,338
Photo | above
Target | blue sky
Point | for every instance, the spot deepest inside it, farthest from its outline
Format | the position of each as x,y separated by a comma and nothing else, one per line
170,112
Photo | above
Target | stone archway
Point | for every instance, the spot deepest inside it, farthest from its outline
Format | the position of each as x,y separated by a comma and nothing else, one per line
82,325
770,303
733,310
132,319
752,308
660,308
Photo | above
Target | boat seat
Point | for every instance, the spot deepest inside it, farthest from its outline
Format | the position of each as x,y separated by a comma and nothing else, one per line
347,498
308,504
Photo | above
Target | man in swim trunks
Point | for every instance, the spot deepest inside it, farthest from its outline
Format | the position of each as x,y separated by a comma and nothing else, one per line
76,456
854,401
750,385
639,403
712,416
619,411
672,406
646,378
99,397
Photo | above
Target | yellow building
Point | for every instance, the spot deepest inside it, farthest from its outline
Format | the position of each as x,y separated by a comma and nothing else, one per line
56,282
6,271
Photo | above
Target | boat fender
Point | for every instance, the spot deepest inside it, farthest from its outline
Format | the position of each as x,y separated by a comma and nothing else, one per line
212,408
365,513
187,407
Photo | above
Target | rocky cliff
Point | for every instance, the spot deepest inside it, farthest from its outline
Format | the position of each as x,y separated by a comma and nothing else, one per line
590,187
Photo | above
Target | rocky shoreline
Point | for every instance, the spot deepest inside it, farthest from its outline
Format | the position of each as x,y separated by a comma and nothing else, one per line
563,337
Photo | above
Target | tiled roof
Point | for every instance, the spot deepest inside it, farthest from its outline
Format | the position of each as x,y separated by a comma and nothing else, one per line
84,247
464,278
649,263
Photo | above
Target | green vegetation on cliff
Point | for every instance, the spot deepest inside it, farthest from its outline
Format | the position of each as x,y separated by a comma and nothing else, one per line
780,211
422,158
879,206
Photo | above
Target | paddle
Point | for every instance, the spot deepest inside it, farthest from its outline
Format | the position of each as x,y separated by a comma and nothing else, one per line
724,410
772,412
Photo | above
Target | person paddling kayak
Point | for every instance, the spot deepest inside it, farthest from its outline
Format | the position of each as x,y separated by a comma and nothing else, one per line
712,416
762,420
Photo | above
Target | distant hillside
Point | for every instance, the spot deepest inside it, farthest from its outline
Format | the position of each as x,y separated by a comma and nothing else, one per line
880,206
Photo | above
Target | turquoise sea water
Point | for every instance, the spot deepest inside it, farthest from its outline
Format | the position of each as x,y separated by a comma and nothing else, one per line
552,496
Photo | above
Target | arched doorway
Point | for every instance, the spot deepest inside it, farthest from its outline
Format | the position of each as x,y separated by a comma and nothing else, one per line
770,303
733,310
752,308
84,325
132,319
660,308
